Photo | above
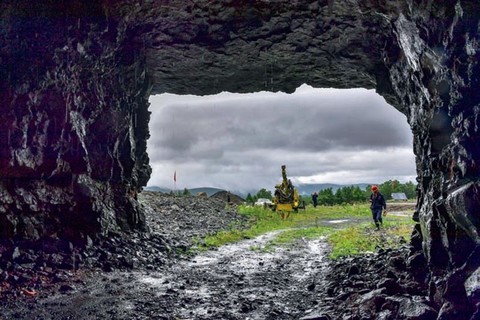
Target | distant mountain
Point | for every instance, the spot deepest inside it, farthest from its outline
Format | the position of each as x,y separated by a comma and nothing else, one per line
307,189
158,189
225,196
208,190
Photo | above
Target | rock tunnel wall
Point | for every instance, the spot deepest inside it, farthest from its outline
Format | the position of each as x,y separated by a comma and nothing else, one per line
74,113
434,74
75,79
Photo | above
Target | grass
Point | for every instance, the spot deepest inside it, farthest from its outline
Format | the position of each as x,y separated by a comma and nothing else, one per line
261,222
357,238
364,238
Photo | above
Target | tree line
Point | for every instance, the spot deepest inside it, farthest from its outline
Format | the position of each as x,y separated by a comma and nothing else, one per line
348,194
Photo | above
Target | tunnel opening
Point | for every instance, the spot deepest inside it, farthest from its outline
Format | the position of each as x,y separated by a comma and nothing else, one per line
237,142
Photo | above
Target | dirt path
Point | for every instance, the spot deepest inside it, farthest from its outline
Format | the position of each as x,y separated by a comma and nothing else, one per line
237,281
234,282
242,283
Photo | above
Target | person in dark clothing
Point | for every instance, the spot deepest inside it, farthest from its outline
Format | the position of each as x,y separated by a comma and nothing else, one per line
315,199
378,205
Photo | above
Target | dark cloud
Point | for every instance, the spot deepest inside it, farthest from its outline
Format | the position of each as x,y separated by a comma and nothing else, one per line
235,141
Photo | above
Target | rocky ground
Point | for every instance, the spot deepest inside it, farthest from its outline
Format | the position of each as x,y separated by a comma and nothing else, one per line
148,276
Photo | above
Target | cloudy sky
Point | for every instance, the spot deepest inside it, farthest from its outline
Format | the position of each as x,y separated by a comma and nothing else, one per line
238,142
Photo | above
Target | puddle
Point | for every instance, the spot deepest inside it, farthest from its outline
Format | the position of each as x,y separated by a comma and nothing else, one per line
314,259
338,221
153,281
398,213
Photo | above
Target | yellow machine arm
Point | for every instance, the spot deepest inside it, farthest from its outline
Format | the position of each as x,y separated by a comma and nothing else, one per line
286,196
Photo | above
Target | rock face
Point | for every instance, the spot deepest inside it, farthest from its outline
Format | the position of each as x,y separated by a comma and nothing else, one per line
75,80
74,120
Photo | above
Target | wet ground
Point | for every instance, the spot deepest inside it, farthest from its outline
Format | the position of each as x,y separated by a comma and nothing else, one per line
237,281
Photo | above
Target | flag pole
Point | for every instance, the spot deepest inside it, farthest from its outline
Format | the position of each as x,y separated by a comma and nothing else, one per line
175,182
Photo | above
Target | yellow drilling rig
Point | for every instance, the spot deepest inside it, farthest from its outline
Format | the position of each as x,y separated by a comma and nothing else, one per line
285,198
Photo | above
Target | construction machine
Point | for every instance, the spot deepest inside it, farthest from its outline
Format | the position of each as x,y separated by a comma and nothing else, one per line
285,198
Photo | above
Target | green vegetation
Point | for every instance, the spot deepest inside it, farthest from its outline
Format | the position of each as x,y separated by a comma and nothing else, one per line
347,203
356,236
353,194
348,194
363,238
262,193
261,222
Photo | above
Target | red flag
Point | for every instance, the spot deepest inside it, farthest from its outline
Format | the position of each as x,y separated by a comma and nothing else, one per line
175,176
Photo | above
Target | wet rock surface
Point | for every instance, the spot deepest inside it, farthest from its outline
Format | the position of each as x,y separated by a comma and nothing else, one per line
384,285
145,276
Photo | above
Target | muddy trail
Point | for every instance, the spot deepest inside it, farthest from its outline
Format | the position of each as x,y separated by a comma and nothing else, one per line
231,283
237,281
